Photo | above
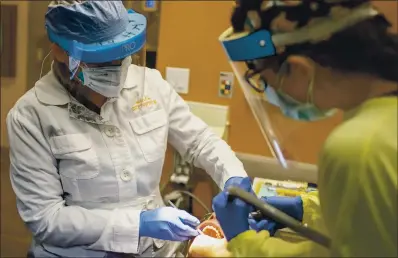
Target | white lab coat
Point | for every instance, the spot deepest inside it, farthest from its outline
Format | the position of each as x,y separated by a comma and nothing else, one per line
82,180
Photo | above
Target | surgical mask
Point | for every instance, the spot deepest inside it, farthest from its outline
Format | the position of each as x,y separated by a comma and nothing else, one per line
295,109
107,81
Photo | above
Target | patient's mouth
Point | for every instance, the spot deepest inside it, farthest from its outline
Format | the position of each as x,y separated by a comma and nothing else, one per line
212,231
211,243
211,228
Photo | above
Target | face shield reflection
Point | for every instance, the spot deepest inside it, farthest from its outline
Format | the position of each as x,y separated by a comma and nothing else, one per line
250,53
253,90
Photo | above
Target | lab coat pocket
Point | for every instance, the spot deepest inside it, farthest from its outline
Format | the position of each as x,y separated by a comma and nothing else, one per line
77,158
151,132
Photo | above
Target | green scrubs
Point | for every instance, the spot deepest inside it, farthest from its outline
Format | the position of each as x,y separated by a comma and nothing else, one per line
357,192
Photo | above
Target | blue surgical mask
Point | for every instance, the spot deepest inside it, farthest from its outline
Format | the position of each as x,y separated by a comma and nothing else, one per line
107,81
295,109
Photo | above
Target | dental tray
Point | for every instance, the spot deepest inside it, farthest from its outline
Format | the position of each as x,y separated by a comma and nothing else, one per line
268,187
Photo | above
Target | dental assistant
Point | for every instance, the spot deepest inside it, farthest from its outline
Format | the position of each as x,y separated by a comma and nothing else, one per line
88,142
312,57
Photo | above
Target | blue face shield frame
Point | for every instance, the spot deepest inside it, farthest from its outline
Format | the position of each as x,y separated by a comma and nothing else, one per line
247,46
119,47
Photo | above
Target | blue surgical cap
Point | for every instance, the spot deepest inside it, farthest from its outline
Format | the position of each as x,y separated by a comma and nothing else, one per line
95,31
89,21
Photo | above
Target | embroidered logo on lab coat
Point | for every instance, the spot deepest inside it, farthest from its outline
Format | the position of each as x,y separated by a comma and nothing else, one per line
144,102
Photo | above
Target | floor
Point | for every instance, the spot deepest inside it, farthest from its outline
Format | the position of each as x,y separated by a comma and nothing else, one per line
15,237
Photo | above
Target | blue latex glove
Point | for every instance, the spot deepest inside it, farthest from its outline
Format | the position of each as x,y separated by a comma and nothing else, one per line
233,216
264,224
235,181
292,206
168,223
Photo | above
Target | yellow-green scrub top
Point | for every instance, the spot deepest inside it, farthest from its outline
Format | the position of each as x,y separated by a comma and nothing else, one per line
357,191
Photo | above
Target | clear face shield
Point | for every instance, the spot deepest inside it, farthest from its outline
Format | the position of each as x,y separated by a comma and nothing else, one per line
102,48
253,88
267,115
279,131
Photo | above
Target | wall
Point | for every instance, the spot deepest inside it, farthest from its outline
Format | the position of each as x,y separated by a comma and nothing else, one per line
390,9
13,88
39,45
14,238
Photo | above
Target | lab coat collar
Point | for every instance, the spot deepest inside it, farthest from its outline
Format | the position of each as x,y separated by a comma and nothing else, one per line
132,76
51,92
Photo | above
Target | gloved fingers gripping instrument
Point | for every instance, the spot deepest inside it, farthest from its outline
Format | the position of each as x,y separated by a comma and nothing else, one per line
268,211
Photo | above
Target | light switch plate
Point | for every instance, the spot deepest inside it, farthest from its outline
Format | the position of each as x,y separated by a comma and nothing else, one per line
178,78
225,84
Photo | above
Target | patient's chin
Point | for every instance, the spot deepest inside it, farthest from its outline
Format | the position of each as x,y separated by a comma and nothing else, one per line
206,246
212,243
211,228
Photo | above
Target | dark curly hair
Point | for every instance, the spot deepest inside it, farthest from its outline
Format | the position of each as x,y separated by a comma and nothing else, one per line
367,47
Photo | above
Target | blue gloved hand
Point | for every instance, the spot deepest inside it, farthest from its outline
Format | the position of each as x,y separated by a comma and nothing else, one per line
168,223
233,216
264,224
233,181
292,206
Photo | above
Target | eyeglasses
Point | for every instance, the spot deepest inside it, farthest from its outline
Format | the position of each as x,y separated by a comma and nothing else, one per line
253,77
